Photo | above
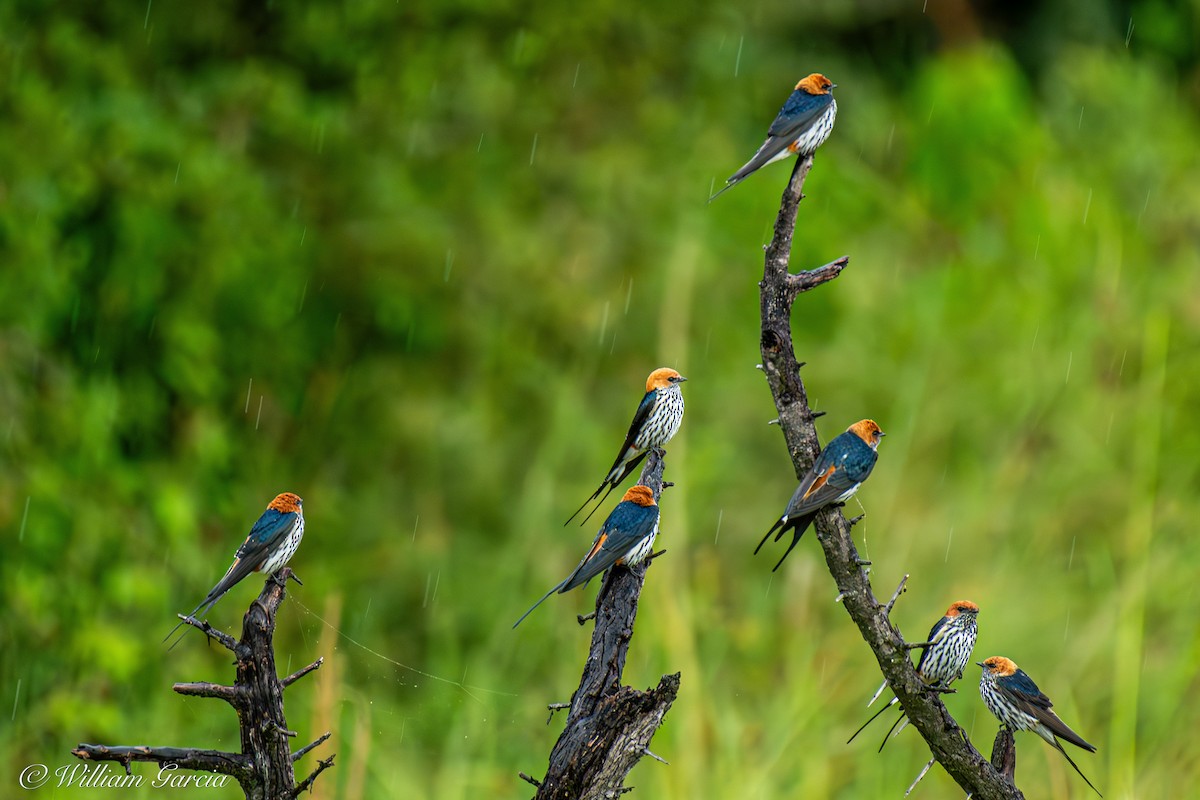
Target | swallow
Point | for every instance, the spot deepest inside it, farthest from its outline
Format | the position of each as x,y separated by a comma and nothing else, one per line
803,125
273,540
654,424
1016,701
839,470
626,538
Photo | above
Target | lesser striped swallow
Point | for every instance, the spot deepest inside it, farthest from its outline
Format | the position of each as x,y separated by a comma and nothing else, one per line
951,640
626,538
654,423
803,125
1016,701
834,478
272,542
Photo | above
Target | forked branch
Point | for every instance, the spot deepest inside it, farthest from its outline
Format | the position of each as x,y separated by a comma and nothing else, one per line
925,710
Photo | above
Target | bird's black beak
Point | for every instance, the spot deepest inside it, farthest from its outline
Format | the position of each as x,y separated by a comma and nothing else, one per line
680,379
881,433
833,86
979,663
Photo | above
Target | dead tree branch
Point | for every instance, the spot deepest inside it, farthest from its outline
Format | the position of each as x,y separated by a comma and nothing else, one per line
609,726
264,766
947,741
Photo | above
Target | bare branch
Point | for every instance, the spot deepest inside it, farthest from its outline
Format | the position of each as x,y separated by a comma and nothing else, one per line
233,764
1004,754
229,694
887,609
925,710
264,768
307,783
609,726
220,637
303,751
300,673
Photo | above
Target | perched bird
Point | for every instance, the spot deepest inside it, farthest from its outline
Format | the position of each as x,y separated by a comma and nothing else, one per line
626,537
654,423
802,126
950,642
272,541
1017,702
839,470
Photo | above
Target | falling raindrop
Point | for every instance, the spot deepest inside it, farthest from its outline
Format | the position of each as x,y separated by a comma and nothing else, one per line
533,150
1037,247
628,296
146,23
24,518
248,390
16,698
576,81
891,133
1037,329
449,265
949,539
603,326
1079,125
258,418
720,516
1143,211
1087,207
1129,32
479,147
428,581
416,522
303,291
1070,356
303,235
177,168
1071,556
737,64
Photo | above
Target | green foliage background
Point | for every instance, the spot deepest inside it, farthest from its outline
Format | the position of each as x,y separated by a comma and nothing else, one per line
414,261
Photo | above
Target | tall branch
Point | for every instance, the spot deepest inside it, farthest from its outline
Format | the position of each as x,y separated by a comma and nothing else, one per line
947,741
609,726
264,766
